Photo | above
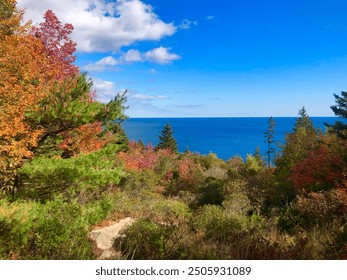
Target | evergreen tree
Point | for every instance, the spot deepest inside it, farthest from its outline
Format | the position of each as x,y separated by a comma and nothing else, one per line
340,110
269,139
167,141
299,143
304,122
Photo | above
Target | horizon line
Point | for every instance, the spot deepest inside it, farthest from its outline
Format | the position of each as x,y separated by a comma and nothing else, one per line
223,117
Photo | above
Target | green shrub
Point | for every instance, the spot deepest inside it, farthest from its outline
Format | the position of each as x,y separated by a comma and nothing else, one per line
145,240
210,160
253,165
237,204
313,209
169,211
211,192
234,167
44,177
217,224
318,222
134,181
165,164
55,230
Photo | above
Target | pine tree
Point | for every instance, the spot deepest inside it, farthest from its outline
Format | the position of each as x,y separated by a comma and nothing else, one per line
340,110
167,141
269,139
299,143
304,122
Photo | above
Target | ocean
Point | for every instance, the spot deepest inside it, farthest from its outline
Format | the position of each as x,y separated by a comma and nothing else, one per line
226,137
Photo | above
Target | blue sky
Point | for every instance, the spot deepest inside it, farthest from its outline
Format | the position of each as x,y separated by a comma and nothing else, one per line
210,58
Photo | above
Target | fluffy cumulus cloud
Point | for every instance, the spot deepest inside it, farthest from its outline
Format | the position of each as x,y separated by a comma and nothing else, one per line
132,56
159,55
106,90
102,25
101,65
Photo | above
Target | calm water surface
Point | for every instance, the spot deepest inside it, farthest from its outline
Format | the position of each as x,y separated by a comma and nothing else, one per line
224,136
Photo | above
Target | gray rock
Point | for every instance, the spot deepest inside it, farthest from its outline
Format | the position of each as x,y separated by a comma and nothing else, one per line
103,239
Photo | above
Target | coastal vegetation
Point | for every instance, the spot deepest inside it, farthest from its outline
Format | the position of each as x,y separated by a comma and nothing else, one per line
66,166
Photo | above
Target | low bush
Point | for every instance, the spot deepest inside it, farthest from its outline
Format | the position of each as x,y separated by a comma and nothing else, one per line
313,209
146,240
217,224
211,192
55,230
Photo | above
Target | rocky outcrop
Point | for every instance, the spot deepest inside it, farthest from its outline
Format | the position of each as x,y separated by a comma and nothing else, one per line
103,239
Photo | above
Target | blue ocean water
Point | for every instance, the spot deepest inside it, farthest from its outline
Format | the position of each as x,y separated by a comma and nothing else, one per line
225,137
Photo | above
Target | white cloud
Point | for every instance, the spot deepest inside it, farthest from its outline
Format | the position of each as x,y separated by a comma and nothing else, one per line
161,55
132,56
152,71
105,90
186,24
102,64
210,17
103,85
109,60
102,26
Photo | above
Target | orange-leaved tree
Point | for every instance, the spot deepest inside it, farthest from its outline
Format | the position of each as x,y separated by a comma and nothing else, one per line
25,79
85,139
42,95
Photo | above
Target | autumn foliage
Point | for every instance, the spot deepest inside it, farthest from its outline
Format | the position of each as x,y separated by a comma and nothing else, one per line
84,139
69,167
141,157
58,45
175,172
321,170
324,168
43,97
27,77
